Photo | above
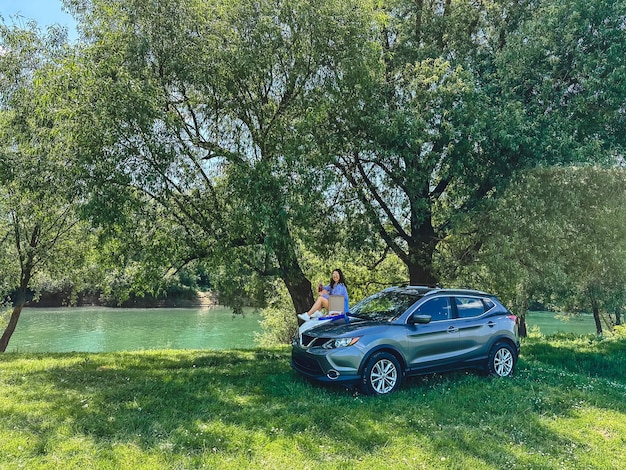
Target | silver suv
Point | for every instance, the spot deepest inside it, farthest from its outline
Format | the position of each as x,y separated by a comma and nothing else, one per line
405,331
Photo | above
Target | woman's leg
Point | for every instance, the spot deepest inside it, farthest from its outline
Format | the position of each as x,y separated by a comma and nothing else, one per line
321,302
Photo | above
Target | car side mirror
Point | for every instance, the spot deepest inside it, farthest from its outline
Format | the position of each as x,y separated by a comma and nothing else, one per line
422,319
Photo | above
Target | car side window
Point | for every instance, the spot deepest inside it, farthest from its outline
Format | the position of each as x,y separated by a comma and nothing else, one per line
438,309
468,307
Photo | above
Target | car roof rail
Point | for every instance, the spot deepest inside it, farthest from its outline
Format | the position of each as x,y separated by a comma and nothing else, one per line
421,289
453,291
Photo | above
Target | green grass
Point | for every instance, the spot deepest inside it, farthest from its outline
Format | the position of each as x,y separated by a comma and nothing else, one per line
550,323
564,409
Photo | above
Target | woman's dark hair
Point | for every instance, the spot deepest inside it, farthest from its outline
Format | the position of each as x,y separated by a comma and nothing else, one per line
342,280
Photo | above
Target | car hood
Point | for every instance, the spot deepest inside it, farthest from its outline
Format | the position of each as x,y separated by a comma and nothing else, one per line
336,329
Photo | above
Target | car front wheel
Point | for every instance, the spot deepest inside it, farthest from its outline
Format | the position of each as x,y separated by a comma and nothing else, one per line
381,375
501,361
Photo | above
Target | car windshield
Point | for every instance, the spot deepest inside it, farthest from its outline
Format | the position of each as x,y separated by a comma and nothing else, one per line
384,306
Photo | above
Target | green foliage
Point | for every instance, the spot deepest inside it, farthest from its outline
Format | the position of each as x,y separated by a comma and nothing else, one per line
278,324
553,235
238,286
247,409
40,231
620,331
564,64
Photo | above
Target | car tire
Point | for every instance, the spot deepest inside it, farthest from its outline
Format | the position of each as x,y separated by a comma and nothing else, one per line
382,374
501,362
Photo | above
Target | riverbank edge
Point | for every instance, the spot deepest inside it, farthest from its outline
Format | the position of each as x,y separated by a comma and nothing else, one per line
197,299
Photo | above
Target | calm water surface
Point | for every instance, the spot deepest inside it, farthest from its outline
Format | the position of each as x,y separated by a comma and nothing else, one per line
98,329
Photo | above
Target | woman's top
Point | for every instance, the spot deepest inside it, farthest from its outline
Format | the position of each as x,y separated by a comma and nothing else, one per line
340,289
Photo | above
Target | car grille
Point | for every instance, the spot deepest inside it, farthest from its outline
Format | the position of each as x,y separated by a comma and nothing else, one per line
308,341
307,365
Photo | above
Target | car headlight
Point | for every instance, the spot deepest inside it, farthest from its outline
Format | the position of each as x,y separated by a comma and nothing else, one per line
340,343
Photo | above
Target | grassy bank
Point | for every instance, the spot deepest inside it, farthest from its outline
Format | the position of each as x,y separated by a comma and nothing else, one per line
565,408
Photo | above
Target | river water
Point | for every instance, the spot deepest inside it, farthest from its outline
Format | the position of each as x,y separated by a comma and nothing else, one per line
99,329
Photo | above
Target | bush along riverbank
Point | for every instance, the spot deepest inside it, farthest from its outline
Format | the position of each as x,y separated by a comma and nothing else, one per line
564,408
179,298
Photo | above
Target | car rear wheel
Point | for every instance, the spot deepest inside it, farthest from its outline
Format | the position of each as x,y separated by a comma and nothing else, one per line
381,375
501,361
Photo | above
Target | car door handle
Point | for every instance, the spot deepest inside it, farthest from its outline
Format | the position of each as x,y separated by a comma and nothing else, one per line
452,329
491,323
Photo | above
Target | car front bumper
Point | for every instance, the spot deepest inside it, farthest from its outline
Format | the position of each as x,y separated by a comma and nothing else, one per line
327,365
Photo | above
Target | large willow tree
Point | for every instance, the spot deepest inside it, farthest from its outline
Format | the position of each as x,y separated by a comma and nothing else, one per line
202,108
467,94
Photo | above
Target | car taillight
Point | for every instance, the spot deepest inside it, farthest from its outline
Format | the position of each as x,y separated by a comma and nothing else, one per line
513,318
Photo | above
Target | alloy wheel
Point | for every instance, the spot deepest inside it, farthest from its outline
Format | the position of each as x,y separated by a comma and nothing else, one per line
503,362
384,376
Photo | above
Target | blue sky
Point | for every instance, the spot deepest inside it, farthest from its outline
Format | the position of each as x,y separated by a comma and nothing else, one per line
44,12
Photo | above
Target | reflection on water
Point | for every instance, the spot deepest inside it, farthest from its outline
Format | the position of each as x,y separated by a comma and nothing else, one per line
98,329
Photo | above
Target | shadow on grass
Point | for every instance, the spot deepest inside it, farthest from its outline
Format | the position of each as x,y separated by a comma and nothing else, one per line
587,355
231,401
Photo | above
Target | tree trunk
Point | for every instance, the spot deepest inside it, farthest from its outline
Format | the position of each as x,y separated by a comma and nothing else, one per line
15,316
420,274
298,286
520,307
420,253
522,328
301,294
8,332
596,318
20,299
